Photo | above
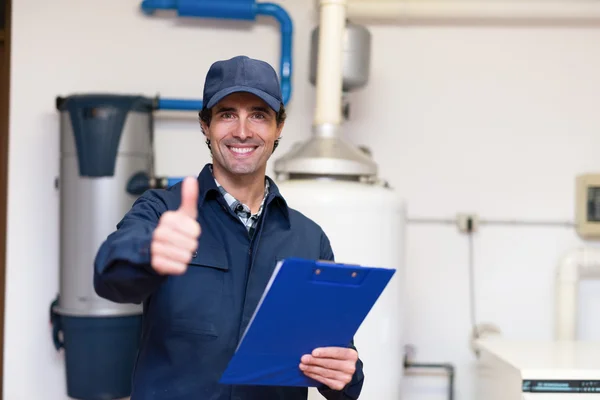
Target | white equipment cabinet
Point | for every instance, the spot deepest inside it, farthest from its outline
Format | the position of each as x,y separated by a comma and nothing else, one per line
538,370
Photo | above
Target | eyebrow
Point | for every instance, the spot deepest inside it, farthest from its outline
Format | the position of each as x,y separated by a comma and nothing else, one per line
225,109
232,109
260,108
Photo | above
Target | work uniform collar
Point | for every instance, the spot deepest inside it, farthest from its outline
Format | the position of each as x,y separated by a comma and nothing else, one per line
208,186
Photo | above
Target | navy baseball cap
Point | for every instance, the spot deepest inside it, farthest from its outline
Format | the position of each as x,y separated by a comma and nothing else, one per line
242,74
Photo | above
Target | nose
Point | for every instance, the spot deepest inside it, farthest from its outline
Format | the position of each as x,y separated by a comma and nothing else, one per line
243,130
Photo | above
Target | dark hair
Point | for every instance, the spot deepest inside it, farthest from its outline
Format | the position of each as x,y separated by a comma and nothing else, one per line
205,116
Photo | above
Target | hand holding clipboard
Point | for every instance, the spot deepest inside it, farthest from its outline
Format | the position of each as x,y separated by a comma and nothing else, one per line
296,316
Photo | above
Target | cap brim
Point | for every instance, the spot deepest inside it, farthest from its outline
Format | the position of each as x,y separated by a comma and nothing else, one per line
267,98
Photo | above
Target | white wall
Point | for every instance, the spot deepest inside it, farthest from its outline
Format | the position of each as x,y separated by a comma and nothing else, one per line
491,120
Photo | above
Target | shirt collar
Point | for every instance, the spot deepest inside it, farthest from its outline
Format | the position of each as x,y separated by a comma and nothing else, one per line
208,185
237,206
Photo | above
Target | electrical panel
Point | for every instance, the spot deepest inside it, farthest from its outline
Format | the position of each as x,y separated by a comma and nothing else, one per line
588,206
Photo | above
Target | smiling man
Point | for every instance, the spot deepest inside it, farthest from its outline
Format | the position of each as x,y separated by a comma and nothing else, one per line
199,254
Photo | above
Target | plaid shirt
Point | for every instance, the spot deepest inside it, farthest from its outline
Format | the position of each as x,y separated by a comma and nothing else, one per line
242,210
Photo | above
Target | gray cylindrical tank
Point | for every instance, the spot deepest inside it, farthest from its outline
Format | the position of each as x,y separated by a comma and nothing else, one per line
105,140
356,57
110,143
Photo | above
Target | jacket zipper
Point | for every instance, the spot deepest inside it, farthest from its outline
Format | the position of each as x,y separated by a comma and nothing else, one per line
255,241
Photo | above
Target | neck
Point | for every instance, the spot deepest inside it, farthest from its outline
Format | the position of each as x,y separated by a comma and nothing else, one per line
248,188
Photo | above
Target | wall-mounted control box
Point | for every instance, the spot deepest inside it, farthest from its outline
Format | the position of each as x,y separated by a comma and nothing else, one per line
588,206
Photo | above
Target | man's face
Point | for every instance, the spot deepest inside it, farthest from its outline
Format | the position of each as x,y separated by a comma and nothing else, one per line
242,132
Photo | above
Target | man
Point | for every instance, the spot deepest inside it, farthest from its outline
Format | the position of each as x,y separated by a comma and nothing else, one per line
199,254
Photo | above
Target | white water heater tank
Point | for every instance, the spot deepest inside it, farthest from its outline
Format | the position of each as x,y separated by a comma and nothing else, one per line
365,223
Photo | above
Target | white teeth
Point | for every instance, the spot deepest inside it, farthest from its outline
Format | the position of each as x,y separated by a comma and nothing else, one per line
241,150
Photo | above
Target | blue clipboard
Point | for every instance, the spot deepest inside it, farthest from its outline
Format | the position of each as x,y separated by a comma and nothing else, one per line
306,304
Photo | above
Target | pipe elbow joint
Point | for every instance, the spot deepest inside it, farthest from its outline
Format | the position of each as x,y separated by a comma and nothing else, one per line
279,13
578,262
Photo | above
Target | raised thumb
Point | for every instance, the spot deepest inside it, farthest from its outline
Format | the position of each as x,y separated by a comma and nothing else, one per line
189,197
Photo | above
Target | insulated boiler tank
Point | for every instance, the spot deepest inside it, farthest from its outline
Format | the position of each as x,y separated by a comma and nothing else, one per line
105,140
365,224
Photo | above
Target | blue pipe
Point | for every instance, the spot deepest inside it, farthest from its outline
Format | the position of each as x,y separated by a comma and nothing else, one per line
140,182
178,104
230,9
287,30
173,180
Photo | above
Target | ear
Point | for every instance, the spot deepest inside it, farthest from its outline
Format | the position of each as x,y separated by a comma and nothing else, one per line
204,128
280,129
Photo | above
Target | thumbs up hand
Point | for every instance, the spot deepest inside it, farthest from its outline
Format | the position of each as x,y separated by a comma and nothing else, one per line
176,237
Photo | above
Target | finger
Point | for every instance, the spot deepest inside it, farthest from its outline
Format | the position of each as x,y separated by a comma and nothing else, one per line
325,372
171,252
174,238
182,223
345,366
165,266
189,197
337,353
331,383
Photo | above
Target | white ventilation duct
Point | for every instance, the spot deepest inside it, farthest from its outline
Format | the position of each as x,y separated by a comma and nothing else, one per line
400,10
340,47
330,63
577,265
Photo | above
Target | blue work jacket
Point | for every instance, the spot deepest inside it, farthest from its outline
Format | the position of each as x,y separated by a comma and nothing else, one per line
192,322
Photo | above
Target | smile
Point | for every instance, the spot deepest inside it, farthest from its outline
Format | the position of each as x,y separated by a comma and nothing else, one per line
243,151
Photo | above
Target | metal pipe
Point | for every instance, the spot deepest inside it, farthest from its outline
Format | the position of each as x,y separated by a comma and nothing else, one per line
330,63
573,267
405,10
449,368
231,9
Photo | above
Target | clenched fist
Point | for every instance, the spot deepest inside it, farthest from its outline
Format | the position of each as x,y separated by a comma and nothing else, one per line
176,237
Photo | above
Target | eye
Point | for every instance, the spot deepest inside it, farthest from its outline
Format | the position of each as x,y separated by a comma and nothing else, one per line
261,116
